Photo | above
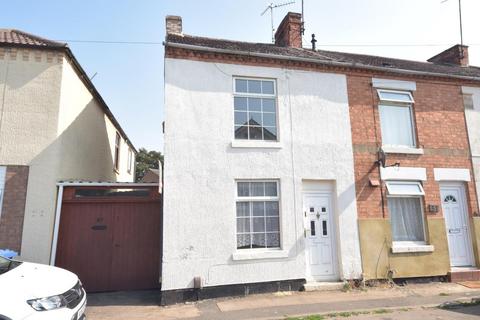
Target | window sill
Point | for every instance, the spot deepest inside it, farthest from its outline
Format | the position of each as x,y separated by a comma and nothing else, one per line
256,144
411,248
404,150
256,255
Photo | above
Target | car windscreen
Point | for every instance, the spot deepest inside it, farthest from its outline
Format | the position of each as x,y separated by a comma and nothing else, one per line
7,265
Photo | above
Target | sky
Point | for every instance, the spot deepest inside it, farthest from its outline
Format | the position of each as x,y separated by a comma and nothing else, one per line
130,76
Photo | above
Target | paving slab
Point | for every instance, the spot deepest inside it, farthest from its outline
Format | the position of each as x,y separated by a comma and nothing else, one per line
278,305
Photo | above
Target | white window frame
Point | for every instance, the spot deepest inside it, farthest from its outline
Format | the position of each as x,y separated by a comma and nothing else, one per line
257,95
416,183
380,91
399,103
129,160
117,150
420,197
259,199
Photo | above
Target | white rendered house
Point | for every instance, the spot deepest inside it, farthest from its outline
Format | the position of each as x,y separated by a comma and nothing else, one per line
259,189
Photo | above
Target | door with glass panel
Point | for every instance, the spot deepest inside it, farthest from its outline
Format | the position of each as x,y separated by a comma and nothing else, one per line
456,223
319,236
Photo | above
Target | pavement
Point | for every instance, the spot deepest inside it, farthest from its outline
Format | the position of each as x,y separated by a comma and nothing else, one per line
413,301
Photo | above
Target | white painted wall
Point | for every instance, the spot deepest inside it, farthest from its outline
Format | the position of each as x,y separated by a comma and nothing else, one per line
201,167
473,127
52,124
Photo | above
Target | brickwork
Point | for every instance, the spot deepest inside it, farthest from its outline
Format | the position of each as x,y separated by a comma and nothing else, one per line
28,54
457,54
173,24
13,207
196,55
289,32
440,129
439,122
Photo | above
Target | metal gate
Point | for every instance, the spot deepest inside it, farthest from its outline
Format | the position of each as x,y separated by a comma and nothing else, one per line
110,236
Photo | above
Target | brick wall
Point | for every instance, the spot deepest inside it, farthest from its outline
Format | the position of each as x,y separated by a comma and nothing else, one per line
439,122
439,118
13,207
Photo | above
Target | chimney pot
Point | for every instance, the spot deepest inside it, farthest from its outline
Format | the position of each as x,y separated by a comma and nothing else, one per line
289,32
173,24
456,55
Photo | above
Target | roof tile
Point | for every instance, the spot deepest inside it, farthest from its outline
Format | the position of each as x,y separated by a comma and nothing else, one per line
354,60
20,38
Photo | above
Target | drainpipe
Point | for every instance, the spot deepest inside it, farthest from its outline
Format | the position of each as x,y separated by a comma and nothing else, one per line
53,251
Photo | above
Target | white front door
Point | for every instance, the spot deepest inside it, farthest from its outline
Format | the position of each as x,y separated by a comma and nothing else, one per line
456,222
319,236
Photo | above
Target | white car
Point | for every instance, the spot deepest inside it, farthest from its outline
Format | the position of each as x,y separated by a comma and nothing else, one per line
39,292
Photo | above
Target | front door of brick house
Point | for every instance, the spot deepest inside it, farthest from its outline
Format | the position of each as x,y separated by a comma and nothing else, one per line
319,236
456,222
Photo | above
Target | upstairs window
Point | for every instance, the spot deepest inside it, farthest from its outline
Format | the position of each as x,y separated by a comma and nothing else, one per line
396,118
116,160
130,160
255,109
468,101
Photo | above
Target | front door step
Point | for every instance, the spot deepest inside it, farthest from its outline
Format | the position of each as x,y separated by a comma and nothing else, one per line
463,274
323,286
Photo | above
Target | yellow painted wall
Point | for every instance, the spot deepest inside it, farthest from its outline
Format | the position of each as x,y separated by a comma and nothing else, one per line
377,256
52,123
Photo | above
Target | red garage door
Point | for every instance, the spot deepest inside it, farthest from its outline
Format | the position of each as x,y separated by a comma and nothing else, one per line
110,237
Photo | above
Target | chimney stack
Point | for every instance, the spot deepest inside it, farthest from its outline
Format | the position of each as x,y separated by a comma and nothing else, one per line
289,32
173,24
456,55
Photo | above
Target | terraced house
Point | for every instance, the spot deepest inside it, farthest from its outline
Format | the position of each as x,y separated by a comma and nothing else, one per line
288,166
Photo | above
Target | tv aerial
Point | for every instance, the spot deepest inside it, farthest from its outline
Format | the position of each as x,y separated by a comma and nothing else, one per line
460,20
270,7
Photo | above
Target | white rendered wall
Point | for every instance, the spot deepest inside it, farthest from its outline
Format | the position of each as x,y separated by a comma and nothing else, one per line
201,168
473,127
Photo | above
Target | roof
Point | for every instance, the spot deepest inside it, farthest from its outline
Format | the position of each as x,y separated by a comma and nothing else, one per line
321,56
21,39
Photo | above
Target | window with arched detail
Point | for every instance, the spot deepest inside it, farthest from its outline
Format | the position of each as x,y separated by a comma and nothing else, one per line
450,198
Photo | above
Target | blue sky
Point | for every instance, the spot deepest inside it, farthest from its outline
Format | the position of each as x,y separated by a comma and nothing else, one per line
130,76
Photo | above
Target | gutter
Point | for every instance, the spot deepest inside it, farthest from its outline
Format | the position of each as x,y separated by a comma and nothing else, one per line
105,184
316,61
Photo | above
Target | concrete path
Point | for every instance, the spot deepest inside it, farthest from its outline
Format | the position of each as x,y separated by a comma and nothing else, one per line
144,305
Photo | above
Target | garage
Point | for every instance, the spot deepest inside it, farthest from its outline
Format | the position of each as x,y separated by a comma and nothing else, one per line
109,235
